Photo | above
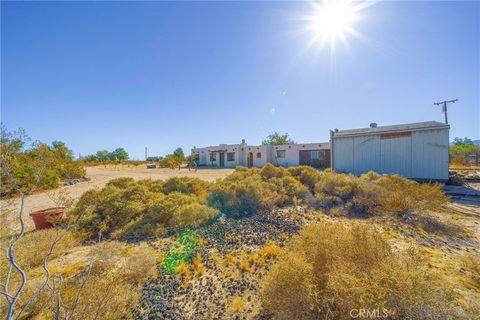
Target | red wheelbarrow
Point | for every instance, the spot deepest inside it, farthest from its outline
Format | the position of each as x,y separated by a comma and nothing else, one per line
47,218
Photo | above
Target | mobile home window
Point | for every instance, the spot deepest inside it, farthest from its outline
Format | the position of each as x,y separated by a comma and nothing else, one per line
259,155
230,156
213,156
280,153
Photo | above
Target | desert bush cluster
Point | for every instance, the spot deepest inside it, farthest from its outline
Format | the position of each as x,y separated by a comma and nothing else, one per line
330,269
247,191
34,163
102,284
125,207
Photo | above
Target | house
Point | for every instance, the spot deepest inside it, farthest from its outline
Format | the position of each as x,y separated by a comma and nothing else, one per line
415,150
242,154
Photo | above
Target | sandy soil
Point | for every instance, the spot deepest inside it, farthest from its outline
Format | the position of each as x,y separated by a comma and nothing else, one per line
99,177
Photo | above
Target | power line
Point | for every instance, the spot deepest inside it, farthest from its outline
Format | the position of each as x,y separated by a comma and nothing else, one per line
444,107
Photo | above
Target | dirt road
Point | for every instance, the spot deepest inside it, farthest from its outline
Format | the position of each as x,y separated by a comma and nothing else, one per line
99,177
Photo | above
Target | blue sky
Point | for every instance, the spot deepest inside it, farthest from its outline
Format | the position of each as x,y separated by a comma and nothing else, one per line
99,75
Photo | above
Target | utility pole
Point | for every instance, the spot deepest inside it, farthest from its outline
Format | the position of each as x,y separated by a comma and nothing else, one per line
444,107
145,153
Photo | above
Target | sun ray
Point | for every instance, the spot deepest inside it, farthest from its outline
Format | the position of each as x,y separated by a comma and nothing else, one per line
332,22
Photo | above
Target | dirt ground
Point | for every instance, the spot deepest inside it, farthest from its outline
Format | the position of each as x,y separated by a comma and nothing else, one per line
99,176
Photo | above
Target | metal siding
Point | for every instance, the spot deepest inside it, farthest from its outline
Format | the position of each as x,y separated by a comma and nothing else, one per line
396,156
343,155
423,155
430,154
366,154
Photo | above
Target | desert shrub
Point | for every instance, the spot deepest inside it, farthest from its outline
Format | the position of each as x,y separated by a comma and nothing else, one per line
120,206
25,161
330,269
178,210
288,290
171,161
133,264
49,180
401,195
192,214
471,262
31,250
292,188
243,193
370,176
104,286
247,191
71,170
125,208
121,183
334,189
187,185
269,171
306,175
152,185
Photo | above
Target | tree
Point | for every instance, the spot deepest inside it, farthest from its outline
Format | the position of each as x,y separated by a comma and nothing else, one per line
275,139
121,154
462,150
102,155
179,153
61,149
459,141
171,161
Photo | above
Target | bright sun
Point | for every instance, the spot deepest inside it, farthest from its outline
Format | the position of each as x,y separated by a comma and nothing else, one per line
333,20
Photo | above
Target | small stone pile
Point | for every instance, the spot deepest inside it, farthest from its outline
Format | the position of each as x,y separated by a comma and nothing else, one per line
228,244
455,179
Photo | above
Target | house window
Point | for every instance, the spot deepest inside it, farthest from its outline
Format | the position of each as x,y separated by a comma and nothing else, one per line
230,156
213,156
259,155
318,155
280,153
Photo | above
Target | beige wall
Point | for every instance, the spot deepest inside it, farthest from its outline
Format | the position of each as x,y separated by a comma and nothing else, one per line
267,154
292,152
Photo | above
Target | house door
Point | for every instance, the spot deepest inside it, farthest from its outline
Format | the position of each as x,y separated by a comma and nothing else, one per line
305,157
222,159
250,160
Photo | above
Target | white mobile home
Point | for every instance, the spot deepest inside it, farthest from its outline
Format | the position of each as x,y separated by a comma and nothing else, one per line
242,154
414,150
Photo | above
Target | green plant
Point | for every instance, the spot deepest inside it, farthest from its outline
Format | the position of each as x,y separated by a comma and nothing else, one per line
180,252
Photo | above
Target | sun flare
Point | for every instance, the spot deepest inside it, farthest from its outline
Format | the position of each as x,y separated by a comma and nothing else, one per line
333,20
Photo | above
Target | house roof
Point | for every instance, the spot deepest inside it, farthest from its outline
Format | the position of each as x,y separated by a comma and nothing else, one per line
427,125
